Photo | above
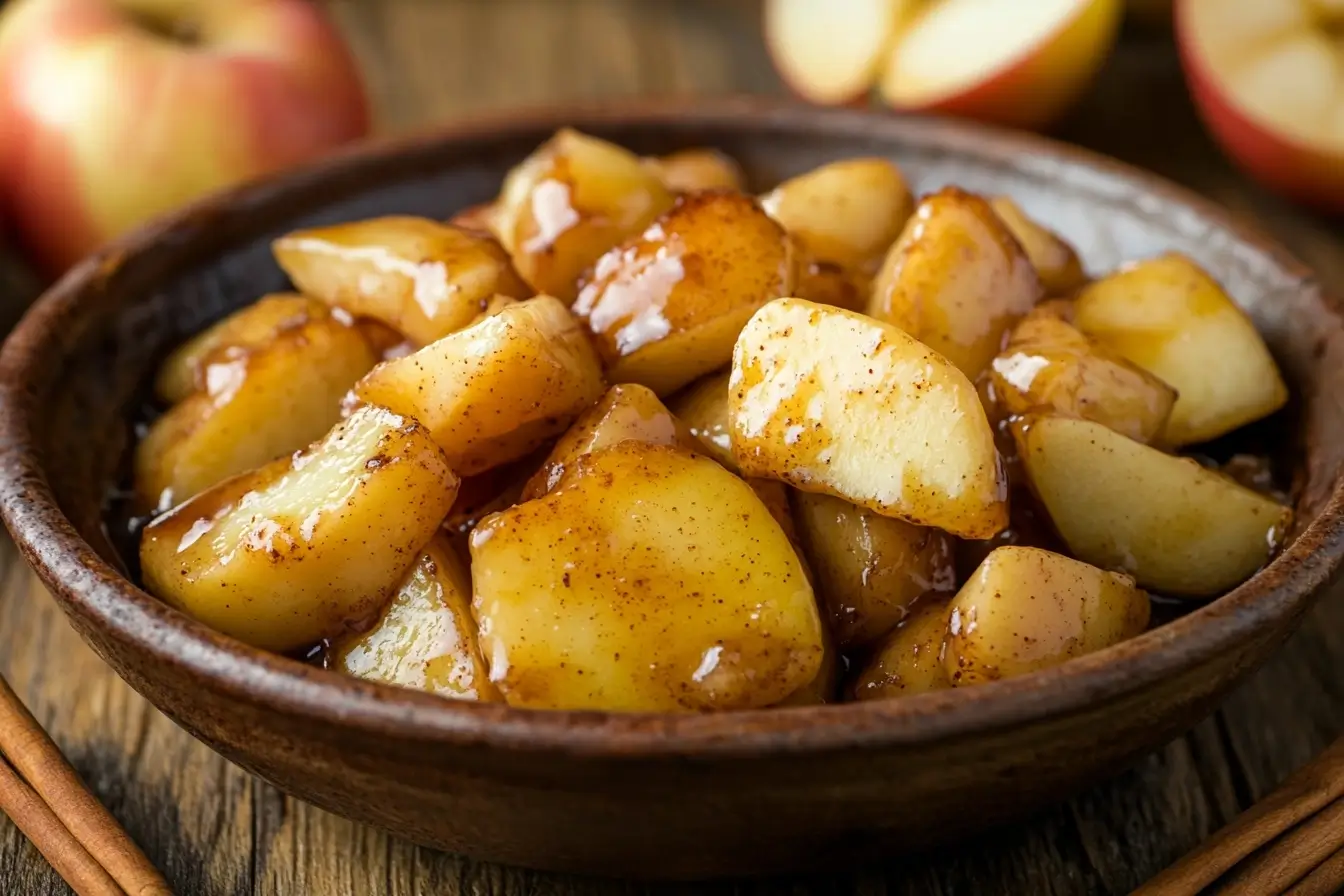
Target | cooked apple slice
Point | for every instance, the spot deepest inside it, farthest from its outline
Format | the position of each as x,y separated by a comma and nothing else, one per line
425,638
956,280
1006,61
626,413
256,405
1267,79
696,169
665,307
909,660
490,492
307,547
827,283
703,408
479,217
182,372
1175,526
569,202
650,579
1026,609
1056,263
1049,365
496,390
831,401
829,52
422,278
869,569
825,684
848,212
1172,319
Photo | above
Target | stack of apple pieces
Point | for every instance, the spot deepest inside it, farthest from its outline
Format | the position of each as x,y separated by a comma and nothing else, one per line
629,438
1006,61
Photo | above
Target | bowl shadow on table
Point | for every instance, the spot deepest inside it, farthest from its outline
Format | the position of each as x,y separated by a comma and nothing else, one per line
701,810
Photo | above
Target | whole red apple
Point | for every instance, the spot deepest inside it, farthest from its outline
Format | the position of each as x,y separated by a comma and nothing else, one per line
113,111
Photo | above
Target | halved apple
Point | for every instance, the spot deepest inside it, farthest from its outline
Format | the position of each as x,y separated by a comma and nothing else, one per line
1015,62
1268,80
829,52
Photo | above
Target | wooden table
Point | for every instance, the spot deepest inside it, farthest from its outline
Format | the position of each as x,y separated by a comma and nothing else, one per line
214,830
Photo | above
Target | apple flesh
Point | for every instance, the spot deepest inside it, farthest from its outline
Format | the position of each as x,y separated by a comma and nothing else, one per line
113,112
828,52
1267,78
1005,61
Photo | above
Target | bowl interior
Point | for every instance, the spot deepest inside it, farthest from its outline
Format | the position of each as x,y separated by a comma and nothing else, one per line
78,370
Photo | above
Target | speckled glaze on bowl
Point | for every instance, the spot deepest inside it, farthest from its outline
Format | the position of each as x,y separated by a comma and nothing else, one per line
642,795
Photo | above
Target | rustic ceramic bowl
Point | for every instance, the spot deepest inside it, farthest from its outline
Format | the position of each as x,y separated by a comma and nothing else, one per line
644,795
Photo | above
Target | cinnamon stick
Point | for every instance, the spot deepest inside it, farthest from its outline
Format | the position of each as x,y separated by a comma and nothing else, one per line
36,757
1291,857
1305,793
1328,878
57,845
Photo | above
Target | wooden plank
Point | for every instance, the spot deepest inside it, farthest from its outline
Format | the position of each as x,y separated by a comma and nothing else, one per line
214,830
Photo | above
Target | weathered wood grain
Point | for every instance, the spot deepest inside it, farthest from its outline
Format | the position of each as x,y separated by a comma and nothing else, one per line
213,830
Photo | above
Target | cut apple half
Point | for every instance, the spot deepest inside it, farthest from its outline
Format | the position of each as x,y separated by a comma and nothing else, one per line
1268,79
828,51
1015,62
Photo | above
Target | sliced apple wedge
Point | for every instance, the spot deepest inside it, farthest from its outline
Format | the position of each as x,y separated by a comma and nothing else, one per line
495,391
828,52
835,402
1268,80
1016,62
1168,316
307,547
1174,525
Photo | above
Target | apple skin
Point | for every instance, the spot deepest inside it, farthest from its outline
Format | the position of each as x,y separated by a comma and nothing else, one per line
106,125
1038,88
1305,174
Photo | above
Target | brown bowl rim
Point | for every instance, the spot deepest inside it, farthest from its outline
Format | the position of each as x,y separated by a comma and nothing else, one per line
90,588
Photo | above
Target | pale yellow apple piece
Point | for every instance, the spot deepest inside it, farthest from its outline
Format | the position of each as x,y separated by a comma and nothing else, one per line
1025,609
256,405
666,306
828,52
696,169
650,579
570,201
251,327
703,407
308,547
869,570
498,389
423,278
1175,526
1172,319
1056,263
831,401
1049,366
425,638
848,212
627,412
909,660
956,280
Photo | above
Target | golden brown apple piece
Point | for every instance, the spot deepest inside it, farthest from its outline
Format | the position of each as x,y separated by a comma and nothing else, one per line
834,402
869,569
420,277
703,407
956,280
425,638
308,547
627,412
650,579
909,660
570,201
1056,263
257,404
665,307
1168,316
496,390
1026,609
696,169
